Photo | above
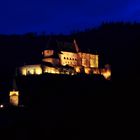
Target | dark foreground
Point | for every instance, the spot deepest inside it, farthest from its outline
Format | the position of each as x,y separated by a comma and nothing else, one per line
58,106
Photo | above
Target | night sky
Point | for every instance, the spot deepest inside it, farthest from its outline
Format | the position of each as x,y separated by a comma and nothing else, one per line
63,16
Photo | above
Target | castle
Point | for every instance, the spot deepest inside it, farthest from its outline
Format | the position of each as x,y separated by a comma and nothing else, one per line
66,58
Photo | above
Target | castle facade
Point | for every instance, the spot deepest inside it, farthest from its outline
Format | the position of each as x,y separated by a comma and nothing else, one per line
64,61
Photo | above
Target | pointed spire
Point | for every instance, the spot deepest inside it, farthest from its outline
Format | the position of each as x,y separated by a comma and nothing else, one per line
76,46
14,85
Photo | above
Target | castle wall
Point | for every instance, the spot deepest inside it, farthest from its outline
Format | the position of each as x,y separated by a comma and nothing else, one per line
94,61
80,63
72,59
53,61
85,59
48,53
31,69
68,58
79,59
52,70
88,60
14,98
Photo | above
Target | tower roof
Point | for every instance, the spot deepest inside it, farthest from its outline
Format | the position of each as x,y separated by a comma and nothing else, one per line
58,46
51,45
68,46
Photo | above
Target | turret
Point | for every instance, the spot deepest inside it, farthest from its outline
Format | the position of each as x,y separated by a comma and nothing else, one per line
14,95
50,54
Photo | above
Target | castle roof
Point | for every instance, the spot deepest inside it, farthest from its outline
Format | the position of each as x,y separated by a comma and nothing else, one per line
58,46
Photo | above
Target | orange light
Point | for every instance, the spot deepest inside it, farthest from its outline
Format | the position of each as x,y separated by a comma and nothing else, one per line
77,69
14,93
106,74
14,98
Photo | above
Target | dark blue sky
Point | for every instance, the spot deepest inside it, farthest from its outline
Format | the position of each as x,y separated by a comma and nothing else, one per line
63,16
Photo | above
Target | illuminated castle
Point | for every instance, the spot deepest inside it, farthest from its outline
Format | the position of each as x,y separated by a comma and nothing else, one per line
66,58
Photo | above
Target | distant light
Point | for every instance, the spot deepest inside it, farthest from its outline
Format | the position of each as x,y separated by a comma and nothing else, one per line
21,105
1,106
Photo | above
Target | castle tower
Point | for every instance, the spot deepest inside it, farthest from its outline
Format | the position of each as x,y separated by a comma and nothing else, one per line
14,98
14,95
50,54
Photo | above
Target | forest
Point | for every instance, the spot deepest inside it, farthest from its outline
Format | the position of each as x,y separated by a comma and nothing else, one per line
63,102
116,43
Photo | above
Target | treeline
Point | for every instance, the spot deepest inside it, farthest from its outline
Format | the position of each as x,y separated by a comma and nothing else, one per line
116,43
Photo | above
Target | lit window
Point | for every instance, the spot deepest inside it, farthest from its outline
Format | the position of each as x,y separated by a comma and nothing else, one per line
38,71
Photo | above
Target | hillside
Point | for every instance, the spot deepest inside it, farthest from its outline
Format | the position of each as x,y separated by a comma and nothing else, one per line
58,102
116,43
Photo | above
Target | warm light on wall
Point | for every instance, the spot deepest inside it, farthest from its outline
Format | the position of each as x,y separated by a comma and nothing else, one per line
53,61
68,58
38,71
50,60
94,61
14,97
14,93
79,62
31,69
96,71
51,70
87,70
48,53
106,74
23,71
77,69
